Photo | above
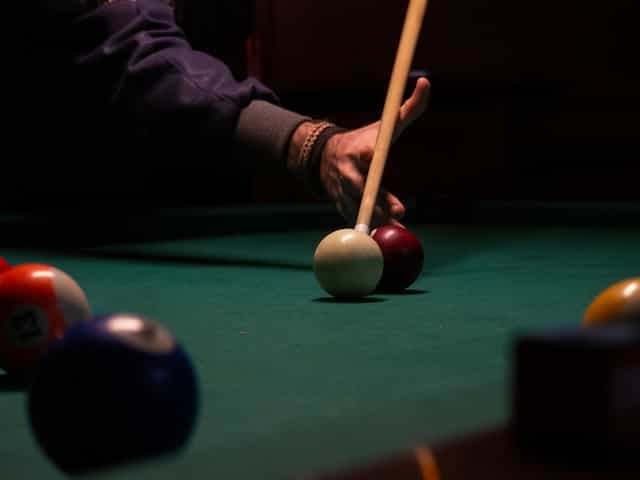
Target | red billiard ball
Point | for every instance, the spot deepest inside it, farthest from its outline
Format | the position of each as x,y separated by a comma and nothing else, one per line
4,265
37,303
403,257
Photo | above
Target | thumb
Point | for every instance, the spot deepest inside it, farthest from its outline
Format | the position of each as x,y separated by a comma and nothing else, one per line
393,205
414,106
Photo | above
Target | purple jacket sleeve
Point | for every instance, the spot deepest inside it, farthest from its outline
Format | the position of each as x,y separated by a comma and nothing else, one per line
132,53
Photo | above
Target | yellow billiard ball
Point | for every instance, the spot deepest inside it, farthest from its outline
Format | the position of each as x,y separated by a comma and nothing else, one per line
618,303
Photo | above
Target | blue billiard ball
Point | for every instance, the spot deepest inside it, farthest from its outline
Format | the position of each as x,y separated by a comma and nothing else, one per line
114,390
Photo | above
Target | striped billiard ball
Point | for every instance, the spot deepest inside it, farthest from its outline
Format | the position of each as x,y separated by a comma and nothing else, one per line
37,304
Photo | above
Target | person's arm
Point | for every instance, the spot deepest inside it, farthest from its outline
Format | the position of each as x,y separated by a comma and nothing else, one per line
297,142
133,53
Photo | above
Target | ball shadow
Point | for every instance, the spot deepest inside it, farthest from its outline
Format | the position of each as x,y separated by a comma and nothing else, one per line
400,293
348,301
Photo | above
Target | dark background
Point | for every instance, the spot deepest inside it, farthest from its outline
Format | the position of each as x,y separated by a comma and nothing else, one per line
529,101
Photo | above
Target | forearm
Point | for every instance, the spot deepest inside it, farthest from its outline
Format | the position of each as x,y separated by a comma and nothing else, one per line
134,56
268,133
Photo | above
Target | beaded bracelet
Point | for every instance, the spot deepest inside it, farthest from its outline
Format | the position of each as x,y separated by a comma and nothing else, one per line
310,141
314,157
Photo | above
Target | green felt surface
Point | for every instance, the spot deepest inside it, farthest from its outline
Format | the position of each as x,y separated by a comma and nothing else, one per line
293,382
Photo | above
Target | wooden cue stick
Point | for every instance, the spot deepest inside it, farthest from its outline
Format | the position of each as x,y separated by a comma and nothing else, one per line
393,102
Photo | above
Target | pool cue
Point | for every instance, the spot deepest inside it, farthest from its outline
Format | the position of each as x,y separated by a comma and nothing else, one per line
404,57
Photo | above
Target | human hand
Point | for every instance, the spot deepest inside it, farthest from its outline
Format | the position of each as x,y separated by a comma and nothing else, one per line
347,156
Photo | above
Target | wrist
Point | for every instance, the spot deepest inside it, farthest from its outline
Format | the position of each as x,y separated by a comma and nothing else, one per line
300,134
306,152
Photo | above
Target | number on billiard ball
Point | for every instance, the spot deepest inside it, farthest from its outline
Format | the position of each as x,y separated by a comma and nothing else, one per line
37,303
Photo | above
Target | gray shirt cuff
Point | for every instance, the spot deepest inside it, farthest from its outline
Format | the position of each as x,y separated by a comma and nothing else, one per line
264,131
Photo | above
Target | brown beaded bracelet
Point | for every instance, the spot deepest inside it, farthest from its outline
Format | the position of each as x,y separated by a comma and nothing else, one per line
310,141
312,167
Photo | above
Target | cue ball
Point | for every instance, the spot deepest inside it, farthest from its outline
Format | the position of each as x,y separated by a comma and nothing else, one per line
403,257
618,303
117,390
4,265
348,264
37,304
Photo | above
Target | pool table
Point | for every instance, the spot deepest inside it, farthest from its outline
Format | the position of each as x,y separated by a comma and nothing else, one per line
294,383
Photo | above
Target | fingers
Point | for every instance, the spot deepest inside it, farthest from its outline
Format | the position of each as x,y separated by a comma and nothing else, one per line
348,208
414,106
388,208
351,187
410,111
362,161
384,213
395,207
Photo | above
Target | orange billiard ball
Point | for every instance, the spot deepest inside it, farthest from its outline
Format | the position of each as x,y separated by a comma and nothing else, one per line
37,304
618,303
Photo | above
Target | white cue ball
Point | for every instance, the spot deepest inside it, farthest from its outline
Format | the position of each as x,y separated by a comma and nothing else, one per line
348,264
